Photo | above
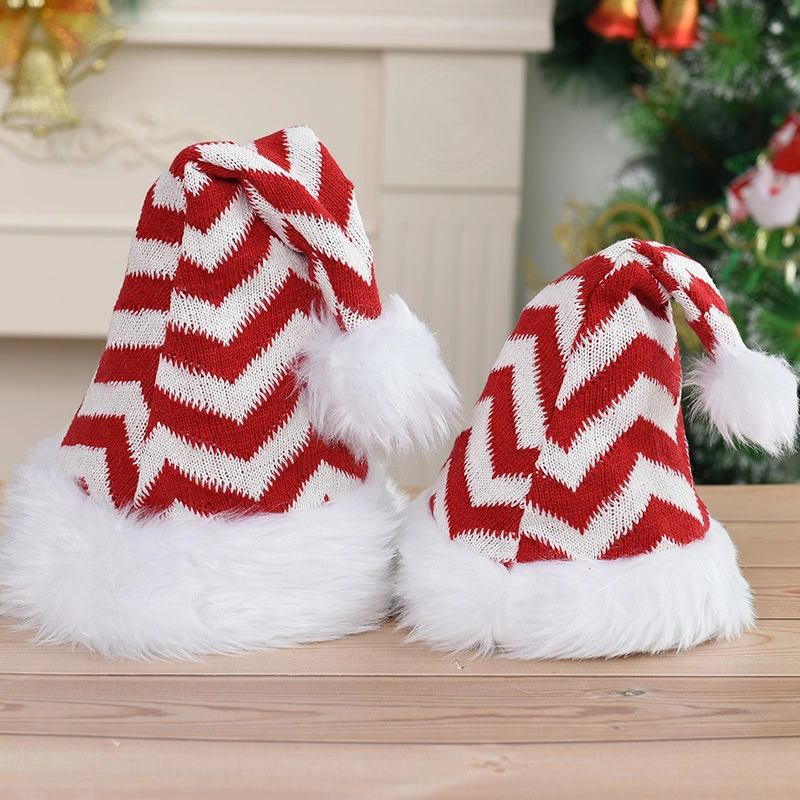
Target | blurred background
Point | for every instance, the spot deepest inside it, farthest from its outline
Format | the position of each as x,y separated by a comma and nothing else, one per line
493,143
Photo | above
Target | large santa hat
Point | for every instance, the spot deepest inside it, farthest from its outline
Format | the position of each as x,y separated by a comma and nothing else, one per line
219,488
565,522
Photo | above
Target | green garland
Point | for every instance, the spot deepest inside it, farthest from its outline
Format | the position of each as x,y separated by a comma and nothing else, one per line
701,119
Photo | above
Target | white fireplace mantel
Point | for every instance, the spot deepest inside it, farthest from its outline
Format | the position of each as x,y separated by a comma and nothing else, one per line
463,25
421,101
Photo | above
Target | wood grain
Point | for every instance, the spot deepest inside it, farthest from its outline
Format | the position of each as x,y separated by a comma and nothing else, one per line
777,592
766,544
402,710
84,769
771,650
373,717
772,503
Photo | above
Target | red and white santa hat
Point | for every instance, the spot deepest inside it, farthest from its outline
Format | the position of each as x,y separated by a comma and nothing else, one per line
219,488
787,161
565,522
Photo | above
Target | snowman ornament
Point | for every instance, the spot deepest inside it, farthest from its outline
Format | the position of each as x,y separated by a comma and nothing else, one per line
773,195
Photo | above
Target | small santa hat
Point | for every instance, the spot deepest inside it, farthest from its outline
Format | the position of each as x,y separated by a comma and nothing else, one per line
219,488
787,160
565,522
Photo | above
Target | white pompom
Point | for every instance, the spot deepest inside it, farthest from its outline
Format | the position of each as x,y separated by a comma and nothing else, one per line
749,395
380,387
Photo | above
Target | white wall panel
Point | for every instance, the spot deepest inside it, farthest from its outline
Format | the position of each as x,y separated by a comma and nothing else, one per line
420,100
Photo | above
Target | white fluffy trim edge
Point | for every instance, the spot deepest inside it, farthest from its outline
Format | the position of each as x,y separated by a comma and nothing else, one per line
381,387
749,395
456,599
74,571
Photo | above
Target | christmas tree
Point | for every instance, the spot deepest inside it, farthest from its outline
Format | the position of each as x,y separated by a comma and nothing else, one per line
713,94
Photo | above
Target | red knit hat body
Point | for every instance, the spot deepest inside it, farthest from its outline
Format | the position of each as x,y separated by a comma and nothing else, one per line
566,518
221,486
213,313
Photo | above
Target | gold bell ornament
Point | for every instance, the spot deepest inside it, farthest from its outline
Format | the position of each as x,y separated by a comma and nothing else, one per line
615,19
672,26
46,46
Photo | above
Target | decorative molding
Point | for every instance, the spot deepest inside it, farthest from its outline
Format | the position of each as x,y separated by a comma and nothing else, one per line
463,25
453,120
145,139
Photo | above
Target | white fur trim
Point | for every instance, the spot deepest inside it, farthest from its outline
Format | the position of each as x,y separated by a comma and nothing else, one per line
381,386
674,597
749,395
75,571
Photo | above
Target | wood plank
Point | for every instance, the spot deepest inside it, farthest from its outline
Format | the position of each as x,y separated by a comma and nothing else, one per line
775,502
50,768
772,650
777,592
766,544
401,710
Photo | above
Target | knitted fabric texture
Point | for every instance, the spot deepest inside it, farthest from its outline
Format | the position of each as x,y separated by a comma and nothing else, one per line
576,448
194,403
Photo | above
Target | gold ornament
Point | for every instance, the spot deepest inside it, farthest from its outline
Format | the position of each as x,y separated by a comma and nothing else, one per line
716,222
535,279
672,27
679,24
46,46
579,235
571,233
615,19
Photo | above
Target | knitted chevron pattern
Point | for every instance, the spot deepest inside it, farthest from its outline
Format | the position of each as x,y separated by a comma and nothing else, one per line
195,403
576,448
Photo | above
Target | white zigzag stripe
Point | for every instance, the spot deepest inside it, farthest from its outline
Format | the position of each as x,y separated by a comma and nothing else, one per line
618,515
120,400
168,193
690,310
724,328
484,488
622,253
350,317
439,490
328,238
137,329
224,322
305,158
564,297
326,481
683,269
646,399
89,463
529,418
194,180
498,548
356,231
607,343
234,157
249,477
325,236
236,400
154,258
209,249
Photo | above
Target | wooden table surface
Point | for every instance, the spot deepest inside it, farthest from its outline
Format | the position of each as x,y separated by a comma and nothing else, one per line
371,717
